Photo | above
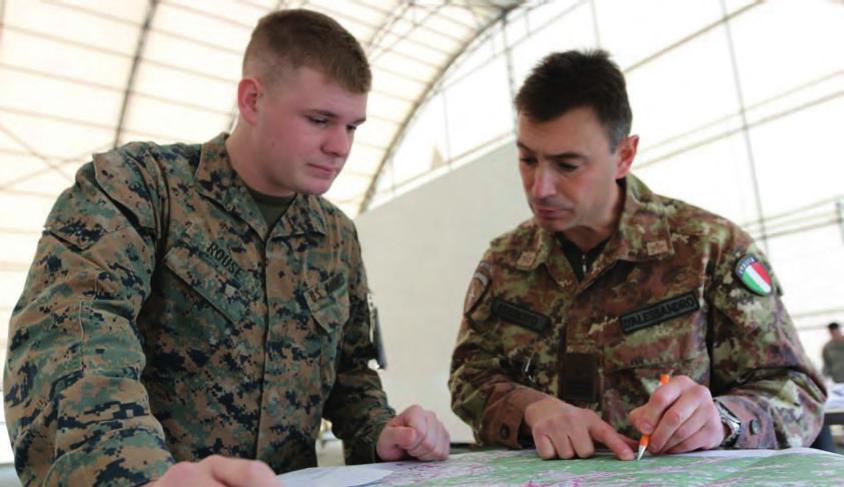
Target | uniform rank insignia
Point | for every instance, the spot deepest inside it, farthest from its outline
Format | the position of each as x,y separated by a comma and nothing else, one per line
518,315
753,275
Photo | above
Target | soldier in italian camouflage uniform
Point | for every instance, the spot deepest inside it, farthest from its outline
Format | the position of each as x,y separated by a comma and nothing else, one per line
833,354
167,318
571,318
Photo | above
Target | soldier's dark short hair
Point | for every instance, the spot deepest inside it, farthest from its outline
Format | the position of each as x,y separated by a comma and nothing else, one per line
563,81
289,39
832,326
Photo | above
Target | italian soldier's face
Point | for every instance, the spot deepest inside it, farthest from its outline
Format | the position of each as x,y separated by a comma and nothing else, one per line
304,128
568,171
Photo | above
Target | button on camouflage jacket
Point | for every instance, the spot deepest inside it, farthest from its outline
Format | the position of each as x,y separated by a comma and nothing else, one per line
665,295
162,320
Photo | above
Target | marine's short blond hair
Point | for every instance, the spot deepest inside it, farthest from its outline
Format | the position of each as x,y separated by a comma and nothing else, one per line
289,39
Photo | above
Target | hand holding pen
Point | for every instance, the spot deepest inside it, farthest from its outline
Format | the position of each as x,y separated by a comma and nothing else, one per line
679,417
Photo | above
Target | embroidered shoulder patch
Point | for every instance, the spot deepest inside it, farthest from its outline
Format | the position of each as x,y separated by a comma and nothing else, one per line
753,275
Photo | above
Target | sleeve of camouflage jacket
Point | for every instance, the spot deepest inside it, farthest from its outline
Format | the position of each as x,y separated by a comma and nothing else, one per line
484,390
357,406
76,411
759,369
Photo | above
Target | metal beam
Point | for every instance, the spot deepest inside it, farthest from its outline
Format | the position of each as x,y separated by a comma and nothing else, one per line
133,72
391,148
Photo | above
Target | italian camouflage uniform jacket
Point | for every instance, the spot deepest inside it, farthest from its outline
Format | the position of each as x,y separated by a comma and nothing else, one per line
663,296
163,320
832,355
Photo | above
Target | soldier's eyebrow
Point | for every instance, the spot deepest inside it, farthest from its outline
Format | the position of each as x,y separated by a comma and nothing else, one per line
333,116
560,157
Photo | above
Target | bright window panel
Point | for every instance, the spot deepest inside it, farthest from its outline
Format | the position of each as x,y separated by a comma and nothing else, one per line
570,29
774,58
427,139
633,31
684,90
797,157
478,107
692,176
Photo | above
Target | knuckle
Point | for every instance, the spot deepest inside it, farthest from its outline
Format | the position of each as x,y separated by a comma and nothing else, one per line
672,417
182,471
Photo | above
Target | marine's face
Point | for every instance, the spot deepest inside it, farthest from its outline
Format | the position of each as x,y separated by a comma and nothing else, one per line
303,132
568,171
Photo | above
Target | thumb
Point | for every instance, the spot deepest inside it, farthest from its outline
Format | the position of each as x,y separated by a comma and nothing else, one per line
395,441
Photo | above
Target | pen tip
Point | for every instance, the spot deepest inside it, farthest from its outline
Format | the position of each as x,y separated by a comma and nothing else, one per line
641,452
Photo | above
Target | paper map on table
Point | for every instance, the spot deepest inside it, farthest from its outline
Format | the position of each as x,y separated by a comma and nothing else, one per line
793,467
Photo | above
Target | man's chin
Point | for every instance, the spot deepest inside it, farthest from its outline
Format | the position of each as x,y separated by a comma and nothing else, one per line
553,225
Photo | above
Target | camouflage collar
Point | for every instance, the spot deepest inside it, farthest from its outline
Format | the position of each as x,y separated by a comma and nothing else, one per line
643,229
643,233
218,181
305,215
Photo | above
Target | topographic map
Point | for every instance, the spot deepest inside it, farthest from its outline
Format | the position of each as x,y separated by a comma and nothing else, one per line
792,467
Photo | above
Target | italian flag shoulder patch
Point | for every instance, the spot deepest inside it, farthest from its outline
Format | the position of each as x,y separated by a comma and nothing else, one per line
754,276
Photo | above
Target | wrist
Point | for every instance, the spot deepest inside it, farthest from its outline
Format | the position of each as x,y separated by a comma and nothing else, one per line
731,424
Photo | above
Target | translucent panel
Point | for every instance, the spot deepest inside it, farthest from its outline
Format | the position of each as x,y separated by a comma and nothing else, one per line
52,18
396,84
127,12
397,42
428,136
551,31
424,36
364,159
77,137
376,128
165,121
400,63
446,25
20,246
46,181
658,24
184,54
183,88
772,63
478,107
668,102
378,103
32,212
477,56
809,264
25,92
348,187
692,175
51,57
798,157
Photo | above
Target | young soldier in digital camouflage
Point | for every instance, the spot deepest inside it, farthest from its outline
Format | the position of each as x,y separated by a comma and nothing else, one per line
193,301
571,318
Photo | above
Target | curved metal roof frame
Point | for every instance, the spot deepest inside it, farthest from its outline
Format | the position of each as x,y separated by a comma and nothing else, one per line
82,76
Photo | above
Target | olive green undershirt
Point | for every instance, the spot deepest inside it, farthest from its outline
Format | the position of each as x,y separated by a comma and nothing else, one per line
272,207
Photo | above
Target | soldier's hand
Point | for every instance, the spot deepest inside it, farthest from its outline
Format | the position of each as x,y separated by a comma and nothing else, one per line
562,430
416,433
219,471
680,417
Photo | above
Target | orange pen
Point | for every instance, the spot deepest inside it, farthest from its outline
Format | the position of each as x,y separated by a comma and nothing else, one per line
645,439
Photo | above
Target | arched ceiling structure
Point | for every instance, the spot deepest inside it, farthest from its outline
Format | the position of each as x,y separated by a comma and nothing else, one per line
82,76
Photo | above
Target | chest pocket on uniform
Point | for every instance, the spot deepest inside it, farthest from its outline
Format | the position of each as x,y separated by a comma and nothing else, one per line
220,286
328,302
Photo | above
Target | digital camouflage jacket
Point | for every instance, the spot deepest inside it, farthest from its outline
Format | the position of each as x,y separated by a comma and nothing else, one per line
162,320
